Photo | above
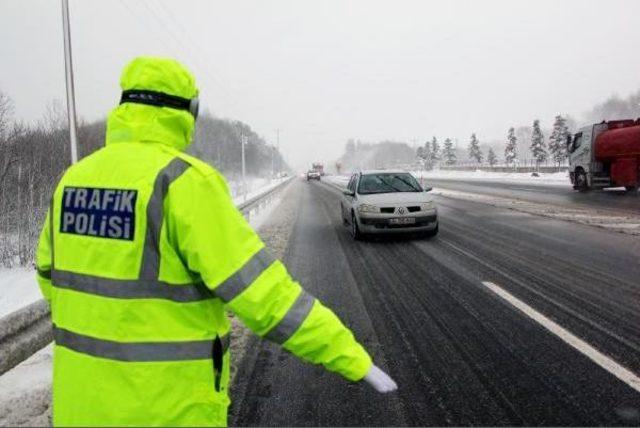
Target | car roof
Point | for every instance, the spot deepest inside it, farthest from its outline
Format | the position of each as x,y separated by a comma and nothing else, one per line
384,171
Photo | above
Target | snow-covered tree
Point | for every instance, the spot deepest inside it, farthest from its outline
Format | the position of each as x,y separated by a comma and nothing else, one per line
449,153
435,150
491,157
427,156
538,147
511,149
474,149
558,140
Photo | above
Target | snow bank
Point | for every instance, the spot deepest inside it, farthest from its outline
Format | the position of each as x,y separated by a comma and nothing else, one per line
260,186
25,392
623,223
560,179
337,180
18,288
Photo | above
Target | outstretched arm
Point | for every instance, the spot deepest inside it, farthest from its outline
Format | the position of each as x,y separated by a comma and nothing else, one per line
217,242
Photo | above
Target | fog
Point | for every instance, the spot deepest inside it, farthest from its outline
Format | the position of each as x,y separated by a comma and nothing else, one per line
325,72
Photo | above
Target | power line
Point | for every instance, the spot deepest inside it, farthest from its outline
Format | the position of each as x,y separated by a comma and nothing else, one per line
193,43
195,56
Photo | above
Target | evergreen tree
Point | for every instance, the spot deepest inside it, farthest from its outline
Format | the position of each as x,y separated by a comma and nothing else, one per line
474,149
448,153
538,147
427,156
511,150
435,150
558,140
491,157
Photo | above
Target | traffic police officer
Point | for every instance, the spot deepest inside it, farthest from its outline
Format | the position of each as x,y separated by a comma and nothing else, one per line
142,252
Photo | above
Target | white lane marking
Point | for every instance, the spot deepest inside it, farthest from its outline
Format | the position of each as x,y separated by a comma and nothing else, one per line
589,351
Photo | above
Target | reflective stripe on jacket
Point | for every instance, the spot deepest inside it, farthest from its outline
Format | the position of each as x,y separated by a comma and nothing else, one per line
141,253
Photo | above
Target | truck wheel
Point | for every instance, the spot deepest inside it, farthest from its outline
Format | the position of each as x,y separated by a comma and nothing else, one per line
581,181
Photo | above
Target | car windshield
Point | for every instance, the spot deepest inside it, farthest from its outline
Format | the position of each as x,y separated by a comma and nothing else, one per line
388,183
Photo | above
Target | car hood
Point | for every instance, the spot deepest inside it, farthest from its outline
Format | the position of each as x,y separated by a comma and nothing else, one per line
395,198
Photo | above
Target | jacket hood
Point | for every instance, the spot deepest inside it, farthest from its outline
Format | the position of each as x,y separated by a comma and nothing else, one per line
131,122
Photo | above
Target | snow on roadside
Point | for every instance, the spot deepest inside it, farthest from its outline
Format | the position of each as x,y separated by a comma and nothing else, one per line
340,181
18,288
264,187
623,223
560,179
26,392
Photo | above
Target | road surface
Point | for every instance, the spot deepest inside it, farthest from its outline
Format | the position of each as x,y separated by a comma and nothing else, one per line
617,200
461,354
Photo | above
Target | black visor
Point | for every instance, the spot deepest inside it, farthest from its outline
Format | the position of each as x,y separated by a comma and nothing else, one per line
160,99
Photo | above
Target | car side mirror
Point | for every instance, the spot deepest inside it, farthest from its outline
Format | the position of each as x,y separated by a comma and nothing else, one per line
348,192
428,189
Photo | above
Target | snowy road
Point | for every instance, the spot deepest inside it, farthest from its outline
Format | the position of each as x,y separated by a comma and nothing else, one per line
471,324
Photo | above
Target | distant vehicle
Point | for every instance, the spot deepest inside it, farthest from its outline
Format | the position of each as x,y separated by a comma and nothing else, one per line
313,175
378,202
316,166
606,154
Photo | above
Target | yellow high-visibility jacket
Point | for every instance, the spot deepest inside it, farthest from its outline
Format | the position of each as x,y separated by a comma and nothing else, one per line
141,254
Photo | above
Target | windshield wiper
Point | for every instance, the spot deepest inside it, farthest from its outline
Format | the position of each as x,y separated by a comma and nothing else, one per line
408,183
390,185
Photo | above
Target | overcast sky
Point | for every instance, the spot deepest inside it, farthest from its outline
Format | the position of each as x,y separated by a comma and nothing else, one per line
326,71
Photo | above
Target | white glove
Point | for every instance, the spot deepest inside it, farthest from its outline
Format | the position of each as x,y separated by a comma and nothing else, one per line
379,380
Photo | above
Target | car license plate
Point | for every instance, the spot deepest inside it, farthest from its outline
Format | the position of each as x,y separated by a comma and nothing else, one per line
403,220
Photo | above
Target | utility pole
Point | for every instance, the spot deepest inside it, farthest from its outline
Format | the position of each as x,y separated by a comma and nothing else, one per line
273,153
278,148
244,176
71,97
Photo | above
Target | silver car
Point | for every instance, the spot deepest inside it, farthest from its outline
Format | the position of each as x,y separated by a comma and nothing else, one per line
377,202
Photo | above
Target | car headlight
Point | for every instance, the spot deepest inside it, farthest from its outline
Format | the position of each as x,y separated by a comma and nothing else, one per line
366,208
427,206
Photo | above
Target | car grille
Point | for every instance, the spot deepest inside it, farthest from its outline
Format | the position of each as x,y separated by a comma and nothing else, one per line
391,210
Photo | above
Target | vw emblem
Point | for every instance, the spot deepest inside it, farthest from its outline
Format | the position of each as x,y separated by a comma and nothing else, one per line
400,210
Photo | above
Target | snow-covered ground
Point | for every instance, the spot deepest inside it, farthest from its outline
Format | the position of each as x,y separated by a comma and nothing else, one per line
25,391
18,288
337,180
560,179
258,187
623,223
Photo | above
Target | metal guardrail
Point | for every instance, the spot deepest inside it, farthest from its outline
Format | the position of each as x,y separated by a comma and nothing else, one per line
251,203
24,332
27,330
